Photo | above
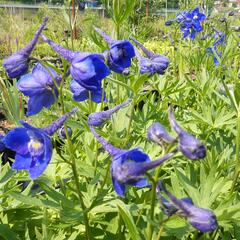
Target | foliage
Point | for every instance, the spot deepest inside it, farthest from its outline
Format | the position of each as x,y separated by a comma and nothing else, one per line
206,101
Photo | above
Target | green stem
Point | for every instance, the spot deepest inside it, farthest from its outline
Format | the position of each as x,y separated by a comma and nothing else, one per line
153,198
129,123
237,159
105,177
74,168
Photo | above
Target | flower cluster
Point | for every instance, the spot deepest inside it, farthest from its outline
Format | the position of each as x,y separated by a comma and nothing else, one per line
190,22
128,166
188,144
219,40
33,148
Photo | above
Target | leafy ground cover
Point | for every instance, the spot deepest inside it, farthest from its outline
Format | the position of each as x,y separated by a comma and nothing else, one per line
74,197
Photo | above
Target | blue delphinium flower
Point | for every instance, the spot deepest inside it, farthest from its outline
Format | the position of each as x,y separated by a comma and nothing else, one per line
120,54
189,145
98,118
81,94
17,64
190,22
129,166
158,134
87,69
219,39
153,63
33,146
202,219
39,86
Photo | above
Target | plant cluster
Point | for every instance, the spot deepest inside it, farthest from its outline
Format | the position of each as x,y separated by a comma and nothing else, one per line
188,192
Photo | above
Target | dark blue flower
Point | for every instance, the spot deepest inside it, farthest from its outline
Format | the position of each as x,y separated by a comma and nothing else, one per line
81,94
87,69
128,166
17,64
200,218
158,134
39,86
189,145
154,63
33,146
98,118
120,54
190,22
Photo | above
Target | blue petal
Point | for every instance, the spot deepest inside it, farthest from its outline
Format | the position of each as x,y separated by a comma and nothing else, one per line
41,162
79,93
101,69
44,74
37,102
17,140
141,183
97,96
119,188
29,86
16,65
137,155
83,69
22,162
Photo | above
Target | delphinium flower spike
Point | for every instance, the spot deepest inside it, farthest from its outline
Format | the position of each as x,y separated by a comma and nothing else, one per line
98,118
129,166
154,63
189,145
190,22
39,86
33,145
87,69
219,38
202,219
158,134
120,54
17,64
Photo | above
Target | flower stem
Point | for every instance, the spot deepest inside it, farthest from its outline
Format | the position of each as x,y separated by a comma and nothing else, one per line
237,159
153,198
74,167
129,123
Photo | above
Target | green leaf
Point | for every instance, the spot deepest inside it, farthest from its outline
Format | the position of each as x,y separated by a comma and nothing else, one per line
31,201
128,220
7,233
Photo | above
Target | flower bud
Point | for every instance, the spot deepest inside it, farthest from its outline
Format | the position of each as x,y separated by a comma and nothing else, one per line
189,145
169,22
62,133
222,19
98,118
158,134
